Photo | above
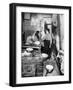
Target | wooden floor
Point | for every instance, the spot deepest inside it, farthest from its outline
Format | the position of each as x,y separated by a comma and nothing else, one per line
55,72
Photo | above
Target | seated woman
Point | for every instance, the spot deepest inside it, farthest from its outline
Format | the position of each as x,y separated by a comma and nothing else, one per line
36,36
33,38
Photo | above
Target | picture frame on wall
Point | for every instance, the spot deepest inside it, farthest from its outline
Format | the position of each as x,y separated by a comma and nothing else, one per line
40,44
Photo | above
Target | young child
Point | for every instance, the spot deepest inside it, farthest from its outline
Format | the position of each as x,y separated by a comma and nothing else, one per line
60,61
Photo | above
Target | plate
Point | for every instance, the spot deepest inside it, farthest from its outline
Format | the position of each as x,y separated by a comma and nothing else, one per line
29,49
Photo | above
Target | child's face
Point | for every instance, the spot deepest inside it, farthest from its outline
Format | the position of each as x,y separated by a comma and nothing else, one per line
61,56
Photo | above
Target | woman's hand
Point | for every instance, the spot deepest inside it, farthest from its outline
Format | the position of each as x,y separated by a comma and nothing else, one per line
42,43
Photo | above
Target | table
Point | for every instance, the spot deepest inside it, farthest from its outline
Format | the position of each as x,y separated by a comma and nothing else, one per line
32,66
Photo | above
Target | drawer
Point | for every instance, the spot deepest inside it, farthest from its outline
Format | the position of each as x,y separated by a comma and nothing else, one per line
28,70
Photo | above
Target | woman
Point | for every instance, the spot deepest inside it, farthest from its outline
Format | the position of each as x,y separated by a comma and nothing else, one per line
33,38
36,36
46,42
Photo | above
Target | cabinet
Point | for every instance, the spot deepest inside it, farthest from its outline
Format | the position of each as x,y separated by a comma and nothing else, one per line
32,66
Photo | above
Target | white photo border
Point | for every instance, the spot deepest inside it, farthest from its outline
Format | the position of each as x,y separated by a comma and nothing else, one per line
19,79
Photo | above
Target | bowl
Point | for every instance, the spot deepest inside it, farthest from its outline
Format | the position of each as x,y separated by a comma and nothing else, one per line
49,68
37,43
29,49
25,53
44,55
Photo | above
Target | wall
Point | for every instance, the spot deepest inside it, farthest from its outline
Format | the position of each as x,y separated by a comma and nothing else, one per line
62,31
4,45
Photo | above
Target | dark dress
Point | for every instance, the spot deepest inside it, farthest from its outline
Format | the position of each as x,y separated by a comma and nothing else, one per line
46,49
54,49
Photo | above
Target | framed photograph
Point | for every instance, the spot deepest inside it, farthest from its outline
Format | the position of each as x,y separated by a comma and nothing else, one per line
40,44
